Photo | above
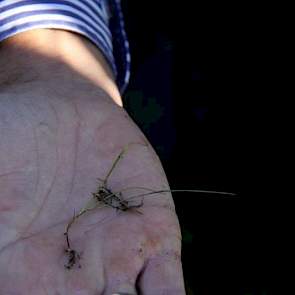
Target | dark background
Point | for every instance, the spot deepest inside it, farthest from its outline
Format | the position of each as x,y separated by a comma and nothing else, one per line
189,93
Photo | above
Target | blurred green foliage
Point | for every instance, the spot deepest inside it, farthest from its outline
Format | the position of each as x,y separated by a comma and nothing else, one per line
145,111
187,236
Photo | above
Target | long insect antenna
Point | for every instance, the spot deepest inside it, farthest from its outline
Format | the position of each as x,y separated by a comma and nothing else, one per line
81,212
68,228
118,158
113,166
189,191
68,242
151,192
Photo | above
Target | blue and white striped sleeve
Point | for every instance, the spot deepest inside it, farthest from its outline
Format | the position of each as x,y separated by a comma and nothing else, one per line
101,21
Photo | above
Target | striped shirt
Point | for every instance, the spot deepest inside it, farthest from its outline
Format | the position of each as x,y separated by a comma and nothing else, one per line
101,21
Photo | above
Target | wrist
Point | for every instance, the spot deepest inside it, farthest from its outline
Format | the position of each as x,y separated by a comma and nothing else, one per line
46,57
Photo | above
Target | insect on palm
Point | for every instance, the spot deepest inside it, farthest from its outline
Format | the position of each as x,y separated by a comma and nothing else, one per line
105,197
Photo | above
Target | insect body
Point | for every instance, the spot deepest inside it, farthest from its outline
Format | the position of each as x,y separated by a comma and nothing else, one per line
115,200
105,197
102,197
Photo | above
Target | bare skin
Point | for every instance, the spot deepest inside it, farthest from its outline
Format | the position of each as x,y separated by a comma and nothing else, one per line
59,133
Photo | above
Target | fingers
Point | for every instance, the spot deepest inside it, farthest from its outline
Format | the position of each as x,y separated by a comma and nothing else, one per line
121,272
162,275
120,282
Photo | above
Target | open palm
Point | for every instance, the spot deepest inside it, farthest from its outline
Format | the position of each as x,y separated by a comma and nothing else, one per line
50,164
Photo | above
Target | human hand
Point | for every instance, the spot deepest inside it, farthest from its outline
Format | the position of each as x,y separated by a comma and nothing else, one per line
50,158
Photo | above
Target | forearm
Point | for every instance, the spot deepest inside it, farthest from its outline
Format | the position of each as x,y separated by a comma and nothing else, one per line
55,60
